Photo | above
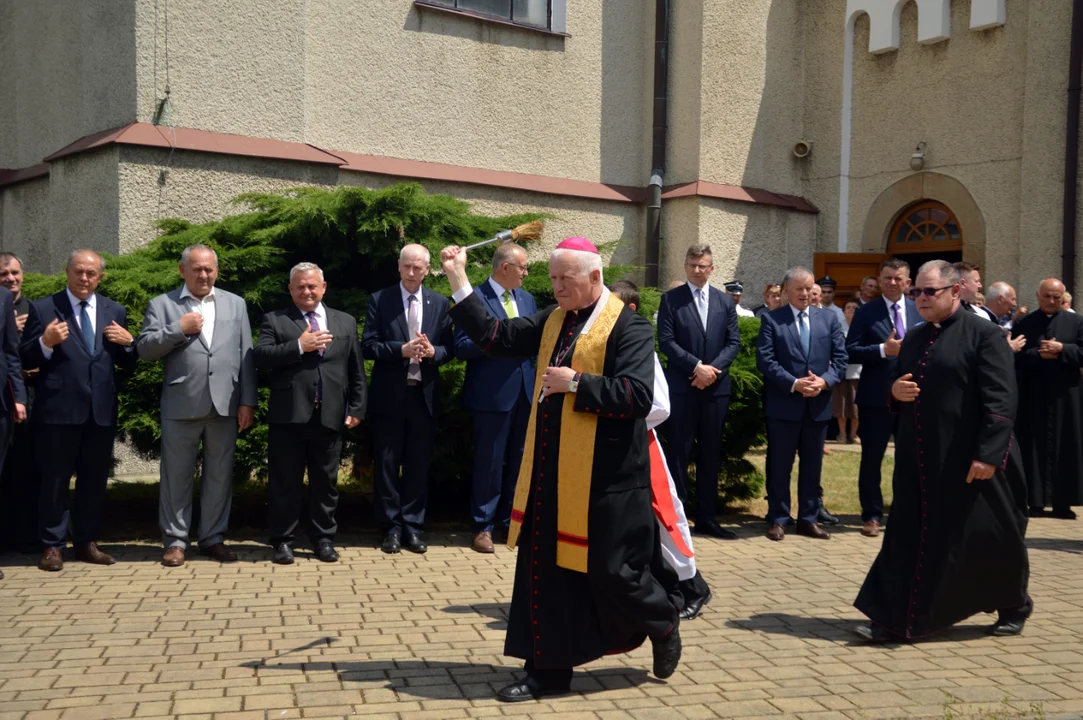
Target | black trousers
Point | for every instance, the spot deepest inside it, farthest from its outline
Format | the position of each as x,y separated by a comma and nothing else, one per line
697,416
63,450
403,441
877,426
18,488
293,448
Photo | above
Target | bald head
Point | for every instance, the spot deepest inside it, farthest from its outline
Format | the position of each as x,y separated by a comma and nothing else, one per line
1050,294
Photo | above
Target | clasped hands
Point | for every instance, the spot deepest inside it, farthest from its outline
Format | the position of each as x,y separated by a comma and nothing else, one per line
811,385
419,348
704,376
1050,349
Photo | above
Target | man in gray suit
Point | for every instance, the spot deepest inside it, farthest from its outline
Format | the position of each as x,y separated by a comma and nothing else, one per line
208,394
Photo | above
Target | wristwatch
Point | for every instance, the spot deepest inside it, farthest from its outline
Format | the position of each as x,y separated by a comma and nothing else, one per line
573,384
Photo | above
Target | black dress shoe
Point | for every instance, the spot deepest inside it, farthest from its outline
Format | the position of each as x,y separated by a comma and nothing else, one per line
392,544
527,689
1006,628
414,543
1065,513
325,551
1037,512
667,654
283,554
713,529
692,610
875,634
826,518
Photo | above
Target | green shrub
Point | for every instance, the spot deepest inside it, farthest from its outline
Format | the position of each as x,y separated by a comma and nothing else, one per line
354,234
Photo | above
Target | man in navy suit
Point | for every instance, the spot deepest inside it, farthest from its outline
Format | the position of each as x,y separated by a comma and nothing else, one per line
873,342
802,355
698,334
408,335
497,392
77,339
13,393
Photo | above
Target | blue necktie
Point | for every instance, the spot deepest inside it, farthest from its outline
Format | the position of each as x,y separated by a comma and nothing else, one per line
802,331
86,327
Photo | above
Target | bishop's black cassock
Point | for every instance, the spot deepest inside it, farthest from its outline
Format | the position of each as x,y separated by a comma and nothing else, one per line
1050,427
561,618
952,549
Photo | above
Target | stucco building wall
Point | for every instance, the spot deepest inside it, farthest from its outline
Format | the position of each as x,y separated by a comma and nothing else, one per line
24,223
68,70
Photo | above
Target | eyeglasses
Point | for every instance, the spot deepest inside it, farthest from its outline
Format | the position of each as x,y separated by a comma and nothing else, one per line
522,268
915,293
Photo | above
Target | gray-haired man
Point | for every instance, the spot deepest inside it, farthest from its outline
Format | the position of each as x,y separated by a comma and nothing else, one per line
208,394
313,360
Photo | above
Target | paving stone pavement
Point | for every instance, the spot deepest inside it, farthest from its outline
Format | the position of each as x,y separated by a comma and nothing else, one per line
411,636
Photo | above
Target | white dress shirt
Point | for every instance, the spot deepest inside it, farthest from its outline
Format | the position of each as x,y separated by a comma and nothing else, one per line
701,308
204,307
420,306
808,328
76,311
500,294
890,317
321,321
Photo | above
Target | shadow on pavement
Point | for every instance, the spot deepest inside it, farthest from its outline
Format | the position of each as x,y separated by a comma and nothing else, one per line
497,611
836,629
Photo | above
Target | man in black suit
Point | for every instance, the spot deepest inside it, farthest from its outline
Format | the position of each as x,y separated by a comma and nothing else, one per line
318,386
77,339
408,335
18,481
873,342
698,334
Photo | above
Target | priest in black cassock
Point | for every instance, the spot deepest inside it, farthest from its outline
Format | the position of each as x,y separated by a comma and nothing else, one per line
955,545
1050,427
587,573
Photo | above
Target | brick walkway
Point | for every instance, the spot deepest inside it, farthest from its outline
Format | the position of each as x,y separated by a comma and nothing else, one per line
421,637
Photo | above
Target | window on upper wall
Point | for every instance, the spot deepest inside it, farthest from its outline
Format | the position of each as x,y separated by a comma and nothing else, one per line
542,14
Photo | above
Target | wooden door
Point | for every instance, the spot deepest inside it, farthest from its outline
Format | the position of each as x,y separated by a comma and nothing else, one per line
848,270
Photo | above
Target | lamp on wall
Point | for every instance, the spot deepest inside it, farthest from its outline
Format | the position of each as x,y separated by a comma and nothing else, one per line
917,160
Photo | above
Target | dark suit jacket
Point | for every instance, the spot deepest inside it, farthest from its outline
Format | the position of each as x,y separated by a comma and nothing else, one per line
11,368
872,325
385,333
493,384
781,359
684,343
293,377
75,384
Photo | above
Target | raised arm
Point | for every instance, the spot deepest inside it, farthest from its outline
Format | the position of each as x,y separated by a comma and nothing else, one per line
157,338
268,352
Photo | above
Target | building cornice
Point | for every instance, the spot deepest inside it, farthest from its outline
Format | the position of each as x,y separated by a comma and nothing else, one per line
167,138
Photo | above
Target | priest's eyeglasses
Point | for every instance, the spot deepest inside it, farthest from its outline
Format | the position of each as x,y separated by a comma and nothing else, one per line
915,293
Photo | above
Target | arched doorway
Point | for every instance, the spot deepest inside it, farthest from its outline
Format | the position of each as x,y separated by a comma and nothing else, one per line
926,230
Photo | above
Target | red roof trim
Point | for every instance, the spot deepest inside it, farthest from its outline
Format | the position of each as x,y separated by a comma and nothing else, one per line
758,196
148,135
10,177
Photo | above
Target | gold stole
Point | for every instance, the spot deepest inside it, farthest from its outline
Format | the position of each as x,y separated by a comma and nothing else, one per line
576,445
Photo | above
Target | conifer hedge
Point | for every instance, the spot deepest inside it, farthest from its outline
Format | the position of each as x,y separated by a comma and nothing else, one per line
355,234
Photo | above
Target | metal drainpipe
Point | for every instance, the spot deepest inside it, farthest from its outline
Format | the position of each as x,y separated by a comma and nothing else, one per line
658,147
1071,149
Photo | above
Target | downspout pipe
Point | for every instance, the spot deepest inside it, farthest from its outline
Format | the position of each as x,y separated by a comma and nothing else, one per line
658,143
1071,150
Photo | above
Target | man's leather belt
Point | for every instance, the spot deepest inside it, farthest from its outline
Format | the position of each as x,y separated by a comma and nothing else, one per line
411,383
